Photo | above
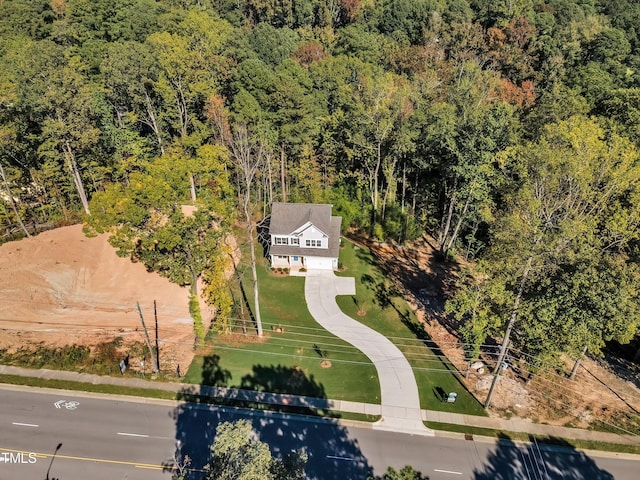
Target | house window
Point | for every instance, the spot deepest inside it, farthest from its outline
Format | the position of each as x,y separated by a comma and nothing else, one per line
281,241
313,243
295,258
295,241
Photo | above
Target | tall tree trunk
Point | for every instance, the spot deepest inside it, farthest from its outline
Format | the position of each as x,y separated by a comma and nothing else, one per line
283,173
507,334
404,184
12,201
192,186
576,365
73,167
447,225
390,191
376,181
446,220
270,179
152,122
256,297
456,230
415,195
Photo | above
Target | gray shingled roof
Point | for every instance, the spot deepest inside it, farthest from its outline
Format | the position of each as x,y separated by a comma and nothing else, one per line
287,217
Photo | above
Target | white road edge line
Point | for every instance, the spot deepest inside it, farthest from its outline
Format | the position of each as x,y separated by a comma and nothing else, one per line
25,424
447,471
133,435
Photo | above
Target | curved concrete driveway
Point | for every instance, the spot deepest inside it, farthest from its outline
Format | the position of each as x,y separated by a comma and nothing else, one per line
398,389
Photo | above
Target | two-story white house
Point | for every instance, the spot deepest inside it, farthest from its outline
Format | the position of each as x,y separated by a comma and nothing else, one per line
304,235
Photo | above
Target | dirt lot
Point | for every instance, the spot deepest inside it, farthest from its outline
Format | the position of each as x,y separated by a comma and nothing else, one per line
62,288
604,389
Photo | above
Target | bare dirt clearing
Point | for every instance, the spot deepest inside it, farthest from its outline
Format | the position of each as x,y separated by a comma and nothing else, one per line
63,288
597,394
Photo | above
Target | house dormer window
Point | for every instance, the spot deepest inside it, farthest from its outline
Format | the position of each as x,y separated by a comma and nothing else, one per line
281,241
313,243
295,241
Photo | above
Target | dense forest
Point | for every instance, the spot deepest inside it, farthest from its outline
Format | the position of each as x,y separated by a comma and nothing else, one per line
508,130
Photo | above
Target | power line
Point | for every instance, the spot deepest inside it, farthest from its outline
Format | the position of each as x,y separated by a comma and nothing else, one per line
448,371
569,392
567,406
405,343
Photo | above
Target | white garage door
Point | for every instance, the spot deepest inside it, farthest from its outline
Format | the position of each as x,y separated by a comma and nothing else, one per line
319,263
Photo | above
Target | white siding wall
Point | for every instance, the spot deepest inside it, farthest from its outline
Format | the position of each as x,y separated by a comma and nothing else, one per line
276,261
308,234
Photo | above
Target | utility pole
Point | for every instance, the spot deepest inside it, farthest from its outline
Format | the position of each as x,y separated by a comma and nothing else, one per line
496,372
576,365
148,339
155,314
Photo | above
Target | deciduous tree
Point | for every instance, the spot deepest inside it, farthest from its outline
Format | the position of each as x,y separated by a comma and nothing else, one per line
568,219
237,454
147,223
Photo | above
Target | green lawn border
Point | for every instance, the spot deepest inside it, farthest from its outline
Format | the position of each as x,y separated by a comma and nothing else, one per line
87,387
282,304
540,439
387,311
177,396
168,395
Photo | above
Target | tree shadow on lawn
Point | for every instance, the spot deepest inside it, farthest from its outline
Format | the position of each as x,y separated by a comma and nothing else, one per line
297,425
384,294
364,255
421,270
418,330
552,459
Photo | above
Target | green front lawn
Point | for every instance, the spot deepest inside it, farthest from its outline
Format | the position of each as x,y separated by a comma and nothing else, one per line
289,361
379,305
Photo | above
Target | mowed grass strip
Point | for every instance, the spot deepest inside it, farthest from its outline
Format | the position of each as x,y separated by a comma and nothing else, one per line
379,305
290,357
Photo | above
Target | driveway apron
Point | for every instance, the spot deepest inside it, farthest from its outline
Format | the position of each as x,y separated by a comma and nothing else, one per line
400,402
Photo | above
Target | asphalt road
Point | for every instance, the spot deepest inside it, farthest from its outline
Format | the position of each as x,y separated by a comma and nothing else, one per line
119,439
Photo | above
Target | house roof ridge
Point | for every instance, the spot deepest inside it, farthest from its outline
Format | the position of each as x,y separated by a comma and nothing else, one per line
302,203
